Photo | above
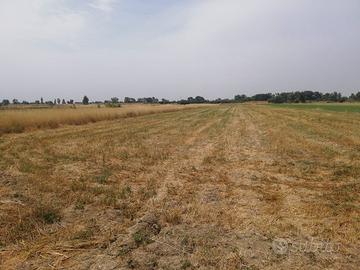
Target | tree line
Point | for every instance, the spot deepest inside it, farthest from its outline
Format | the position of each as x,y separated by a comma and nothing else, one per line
299,97
283,97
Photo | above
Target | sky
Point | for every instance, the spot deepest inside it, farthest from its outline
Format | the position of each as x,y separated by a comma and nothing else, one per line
177,48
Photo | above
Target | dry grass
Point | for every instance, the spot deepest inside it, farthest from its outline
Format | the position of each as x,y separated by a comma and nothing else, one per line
207,188
23,119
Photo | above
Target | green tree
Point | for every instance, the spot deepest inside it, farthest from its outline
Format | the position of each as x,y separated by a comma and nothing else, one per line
85,100
114,100
5,102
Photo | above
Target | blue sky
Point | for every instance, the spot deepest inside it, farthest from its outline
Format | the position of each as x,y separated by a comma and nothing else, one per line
175,49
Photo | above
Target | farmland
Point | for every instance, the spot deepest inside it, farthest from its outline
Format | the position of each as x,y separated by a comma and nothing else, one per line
238,186
337,107
17,119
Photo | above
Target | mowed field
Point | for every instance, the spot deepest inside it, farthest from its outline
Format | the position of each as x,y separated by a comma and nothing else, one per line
215,187
337,107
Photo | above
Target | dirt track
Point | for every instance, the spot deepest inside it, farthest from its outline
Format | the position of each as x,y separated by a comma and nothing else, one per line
221,187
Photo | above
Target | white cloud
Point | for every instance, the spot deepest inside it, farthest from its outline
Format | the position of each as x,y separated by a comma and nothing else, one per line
103,5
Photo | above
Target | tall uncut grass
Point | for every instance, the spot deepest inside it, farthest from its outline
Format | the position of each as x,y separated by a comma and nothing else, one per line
16,121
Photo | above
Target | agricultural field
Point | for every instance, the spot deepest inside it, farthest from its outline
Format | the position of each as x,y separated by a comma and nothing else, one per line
337,107
17,119
240,186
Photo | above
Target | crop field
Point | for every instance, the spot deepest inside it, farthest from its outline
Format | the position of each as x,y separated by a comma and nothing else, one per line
240,186
352,107
20,118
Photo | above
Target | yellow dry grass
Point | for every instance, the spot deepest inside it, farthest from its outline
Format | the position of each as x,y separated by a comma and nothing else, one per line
207,188
20,119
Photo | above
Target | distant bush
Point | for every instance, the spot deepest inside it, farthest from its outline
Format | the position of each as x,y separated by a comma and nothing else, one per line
355,97
112,105
85,100
5,102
